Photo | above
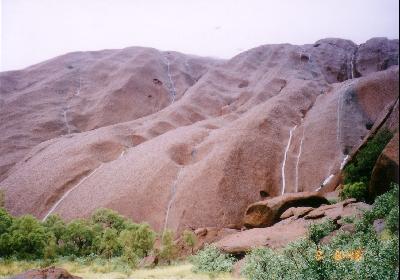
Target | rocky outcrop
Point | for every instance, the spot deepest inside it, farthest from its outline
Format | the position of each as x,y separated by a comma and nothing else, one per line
386,169
292,228
267,212
190,153
46,273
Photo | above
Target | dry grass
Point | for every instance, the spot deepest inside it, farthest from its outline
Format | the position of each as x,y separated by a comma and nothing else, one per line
110,269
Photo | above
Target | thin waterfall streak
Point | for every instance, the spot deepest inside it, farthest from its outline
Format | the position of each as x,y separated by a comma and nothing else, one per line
285,157
68,192
172,89
298,161
66,121
171,200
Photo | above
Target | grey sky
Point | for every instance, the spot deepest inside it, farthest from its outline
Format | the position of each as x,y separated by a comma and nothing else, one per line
36,30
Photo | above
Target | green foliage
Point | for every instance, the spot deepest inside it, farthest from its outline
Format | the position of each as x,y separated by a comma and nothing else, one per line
2,199
189,238
78,238
27,237
359,170
358,190
212,260
55,226
108,218
352,256
137,241
317,231
168,249
6,221
108,244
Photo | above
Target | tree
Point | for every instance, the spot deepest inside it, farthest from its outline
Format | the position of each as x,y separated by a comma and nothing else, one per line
168,248
27,237
190,239
108,218
108,243
138,240
78,238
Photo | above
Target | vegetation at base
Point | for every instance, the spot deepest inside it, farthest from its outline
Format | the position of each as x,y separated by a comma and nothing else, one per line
318,231
190,239
357,174
359,170
212,260
358,190
105,235
361,255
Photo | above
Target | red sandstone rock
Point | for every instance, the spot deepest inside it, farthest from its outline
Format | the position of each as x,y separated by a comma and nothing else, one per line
219,147
46,273
267,212
386,169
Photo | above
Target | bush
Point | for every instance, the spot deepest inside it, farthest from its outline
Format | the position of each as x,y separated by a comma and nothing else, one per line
190,239
137,241
108,218
359,170
27,238
108,244
78,238
168,249
212,260
357,190
356,256
317,231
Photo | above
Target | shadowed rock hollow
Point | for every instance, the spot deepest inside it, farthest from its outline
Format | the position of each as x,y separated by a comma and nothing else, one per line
181,141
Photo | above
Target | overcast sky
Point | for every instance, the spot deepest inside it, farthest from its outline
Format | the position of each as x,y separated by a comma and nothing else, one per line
36,30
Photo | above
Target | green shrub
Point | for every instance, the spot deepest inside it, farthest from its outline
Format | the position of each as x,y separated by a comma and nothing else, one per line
108,218
190,239
108,244
317,231
212,260
168,249
55,226
359,170
78,238
2,199
27,237
392,220
358,190
137,241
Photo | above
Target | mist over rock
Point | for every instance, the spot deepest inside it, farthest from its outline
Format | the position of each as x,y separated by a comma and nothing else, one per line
183,141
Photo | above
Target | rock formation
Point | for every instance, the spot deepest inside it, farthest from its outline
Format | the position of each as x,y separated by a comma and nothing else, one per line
181,141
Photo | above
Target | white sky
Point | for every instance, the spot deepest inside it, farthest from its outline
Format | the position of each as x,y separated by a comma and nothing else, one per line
36,30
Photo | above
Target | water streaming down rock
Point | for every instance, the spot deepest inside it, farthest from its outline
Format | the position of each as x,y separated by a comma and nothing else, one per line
285,157
172,198
171,86
344,162
66,121
69,191
298,159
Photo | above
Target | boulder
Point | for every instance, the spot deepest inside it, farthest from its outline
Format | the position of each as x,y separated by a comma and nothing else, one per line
46,273
296,211
386,169
149,261
267,212
379,225
293,228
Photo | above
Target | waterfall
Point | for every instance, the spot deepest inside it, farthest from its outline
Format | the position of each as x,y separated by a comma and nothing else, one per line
285,157
172,198
338,129
298,160
172,90
352,66
69,191
78,90
66,121
344,162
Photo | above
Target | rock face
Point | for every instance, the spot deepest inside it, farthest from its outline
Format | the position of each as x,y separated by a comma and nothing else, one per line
290,229
267,212
181,141
46,273
386,169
